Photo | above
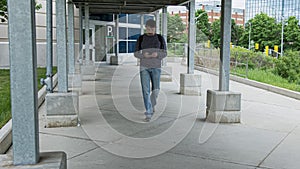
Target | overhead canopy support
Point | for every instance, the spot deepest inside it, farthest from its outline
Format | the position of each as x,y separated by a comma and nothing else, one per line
192,38
123,6
225,45
23,64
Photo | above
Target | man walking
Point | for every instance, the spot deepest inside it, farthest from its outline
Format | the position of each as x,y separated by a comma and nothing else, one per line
150,49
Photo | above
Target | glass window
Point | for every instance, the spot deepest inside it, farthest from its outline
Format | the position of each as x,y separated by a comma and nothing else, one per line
134,33
131,46
134,18
122,46
90,35
122,33
122,18
147,17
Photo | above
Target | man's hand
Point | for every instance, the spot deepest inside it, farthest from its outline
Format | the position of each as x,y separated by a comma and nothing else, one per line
153,55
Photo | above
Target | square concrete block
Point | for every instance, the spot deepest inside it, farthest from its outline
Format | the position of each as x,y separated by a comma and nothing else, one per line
190,80
223,116
166,74
77,90
223,100
114,60
223,106
190,84
48,160
166,70
193,91
62,103
165,78
61,121
88,69
75,80
88,78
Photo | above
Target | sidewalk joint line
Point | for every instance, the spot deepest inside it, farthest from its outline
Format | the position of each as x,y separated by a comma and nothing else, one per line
276,146
73,137
83,153
216,159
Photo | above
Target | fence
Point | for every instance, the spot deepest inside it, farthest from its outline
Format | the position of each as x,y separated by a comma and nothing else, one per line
210,57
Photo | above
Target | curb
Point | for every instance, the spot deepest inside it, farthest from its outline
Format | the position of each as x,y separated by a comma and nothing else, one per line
6,130
5,137
275,89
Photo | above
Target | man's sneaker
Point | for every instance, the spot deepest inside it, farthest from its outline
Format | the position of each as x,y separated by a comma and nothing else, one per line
147,119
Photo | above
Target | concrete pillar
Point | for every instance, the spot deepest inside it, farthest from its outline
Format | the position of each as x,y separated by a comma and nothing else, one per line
23,64
225,45
100,34
164,30
142,32
61,49
88,68
87,33
71,45
224,105
49,45
74,78
117,34
62,107
166,73
142,24
157,19
115,60
192,37
80,35
190,83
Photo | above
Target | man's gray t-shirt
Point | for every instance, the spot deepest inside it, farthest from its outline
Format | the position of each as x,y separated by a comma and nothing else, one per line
150,44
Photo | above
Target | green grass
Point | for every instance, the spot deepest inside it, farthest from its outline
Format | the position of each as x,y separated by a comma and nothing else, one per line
268,77
5,106
5,114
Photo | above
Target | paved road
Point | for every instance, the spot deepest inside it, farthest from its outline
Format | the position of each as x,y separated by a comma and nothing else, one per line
113,136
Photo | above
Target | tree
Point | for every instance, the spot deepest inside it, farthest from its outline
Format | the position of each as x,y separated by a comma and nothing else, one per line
175,28
216,33
292,34
215,37
264,31
3,9
203,27
236,32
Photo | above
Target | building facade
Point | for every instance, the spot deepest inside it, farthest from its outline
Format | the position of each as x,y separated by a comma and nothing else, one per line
274,8
213,11
102,45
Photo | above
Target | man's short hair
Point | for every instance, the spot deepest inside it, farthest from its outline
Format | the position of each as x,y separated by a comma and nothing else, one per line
151,23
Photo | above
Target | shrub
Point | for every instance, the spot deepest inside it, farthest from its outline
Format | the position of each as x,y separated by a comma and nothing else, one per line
254,59
288,66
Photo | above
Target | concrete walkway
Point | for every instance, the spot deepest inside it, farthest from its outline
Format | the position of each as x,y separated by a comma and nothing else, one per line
112,134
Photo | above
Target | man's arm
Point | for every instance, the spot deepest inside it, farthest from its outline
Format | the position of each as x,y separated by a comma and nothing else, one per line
162,52
138,51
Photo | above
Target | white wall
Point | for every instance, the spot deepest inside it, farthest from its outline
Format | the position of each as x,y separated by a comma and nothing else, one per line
40,37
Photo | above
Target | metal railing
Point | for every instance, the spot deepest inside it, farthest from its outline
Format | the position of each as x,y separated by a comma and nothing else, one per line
210,57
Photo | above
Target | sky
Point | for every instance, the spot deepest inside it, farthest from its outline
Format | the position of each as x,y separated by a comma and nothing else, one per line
235,4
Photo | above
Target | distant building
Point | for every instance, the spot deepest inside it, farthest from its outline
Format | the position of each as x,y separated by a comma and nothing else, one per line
213,10
274,8
184,15
101,46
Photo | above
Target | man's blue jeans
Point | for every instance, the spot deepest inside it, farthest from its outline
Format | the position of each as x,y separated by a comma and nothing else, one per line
147,75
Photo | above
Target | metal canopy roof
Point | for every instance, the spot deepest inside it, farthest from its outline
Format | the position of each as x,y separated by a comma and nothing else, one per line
126,6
